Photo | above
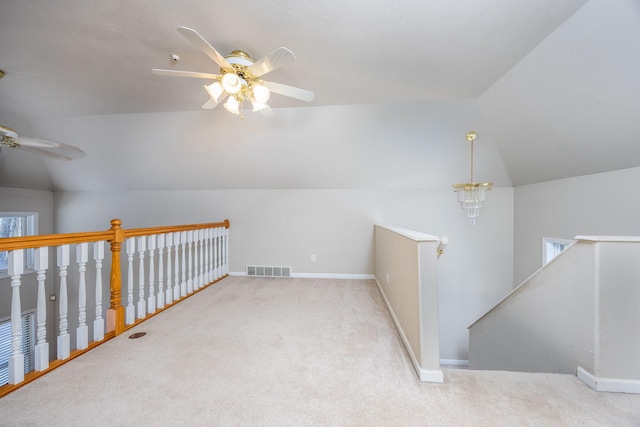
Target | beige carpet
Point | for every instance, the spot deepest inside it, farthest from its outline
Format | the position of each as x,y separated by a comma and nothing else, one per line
292,352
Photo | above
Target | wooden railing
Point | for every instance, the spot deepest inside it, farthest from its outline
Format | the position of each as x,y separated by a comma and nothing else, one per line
189,258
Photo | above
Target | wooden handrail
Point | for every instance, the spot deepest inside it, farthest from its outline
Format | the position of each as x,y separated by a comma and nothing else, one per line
116,235
116,314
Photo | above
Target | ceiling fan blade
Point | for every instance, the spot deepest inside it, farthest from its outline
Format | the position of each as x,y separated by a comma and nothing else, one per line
62,152
199,41
211,104
37,143
177,73
290,91
276,59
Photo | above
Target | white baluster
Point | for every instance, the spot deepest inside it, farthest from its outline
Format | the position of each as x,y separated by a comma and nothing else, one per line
160,296
207,249
15,268
190,272
130,312
169,293
64,339
98,323
151,301
82,331
142,308
216,253
176,270
183,282
41,264
196,261
201,258
226,251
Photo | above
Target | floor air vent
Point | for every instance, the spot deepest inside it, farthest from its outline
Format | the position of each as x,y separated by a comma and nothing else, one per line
256,271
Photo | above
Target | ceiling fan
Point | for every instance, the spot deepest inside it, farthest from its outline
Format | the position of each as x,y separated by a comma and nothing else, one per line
239,77
9,138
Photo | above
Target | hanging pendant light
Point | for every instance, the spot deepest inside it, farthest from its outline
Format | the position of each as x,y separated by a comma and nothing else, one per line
472,194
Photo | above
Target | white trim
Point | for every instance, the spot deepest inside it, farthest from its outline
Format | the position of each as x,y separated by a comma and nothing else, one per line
333,276
430,376
614,385
434,376
610,238
316,275
411,234
454,362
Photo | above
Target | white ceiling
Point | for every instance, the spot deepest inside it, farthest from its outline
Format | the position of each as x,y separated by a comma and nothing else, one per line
74,58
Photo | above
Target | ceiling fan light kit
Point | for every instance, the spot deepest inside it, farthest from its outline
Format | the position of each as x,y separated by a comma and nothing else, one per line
239,77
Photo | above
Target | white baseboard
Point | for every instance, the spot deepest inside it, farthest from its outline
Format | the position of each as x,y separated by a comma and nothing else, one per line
614,385
318,275
333,276
426,375
454,362
431,376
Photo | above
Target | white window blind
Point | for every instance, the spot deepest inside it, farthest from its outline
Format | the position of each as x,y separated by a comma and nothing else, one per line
28,345
552,247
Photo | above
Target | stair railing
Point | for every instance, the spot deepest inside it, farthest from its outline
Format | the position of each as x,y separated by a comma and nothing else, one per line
174,262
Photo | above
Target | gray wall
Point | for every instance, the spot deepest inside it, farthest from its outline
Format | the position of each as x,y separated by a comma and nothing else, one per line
600,204
284,227
545,325
310,181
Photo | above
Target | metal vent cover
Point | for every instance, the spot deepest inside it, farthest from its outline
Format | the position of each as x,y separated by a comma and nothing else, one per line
262,271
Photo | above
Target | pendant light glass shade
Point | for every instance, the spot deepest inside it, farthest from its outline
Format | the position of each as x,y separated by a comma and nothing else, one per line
215,90
261,94
231,83
232,105
472,194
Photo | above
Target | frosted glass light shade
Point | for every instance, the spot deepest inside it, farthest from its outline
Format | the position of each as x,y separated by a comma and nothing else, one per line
231,83
214,90
261,94
232,105
257,106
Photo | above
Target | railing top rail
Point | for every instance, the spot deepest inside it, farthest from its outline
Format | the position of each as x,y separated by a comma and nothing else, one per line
632,239
135,232
115,233
28,242
410,234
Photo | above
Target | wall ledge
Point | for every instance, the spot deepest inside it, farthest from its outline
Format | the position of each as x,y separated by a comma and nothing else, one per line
635,239
411,234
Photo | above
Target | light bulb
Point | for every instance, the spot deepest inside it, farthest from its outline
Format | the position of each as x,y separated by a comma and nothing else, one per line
214,90
232,105
231,83
261,93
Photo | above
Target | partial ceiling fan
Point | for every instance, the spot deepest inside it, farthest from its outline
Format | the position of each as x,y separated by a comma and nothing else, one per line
239,77
9,138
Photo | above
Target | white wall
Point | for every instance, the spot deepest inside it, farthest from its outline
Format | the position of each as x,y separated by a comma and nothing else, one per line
311,180
600,204
419,145
284,227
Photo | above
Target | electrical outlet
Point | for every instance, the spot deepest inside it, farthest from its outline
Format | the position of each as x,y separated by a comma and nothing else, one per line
313,257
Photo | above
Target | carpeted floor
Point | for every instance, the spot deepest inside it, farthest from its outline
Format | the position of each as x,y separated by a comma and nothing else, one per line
292,352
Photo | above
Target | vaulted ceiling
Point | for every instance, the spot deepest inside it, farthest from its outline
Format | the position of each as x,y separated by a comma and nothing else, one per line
556,80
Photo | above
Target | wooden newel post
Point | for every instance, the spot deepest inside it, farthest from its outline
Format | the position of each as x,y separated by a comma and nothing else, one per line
116,313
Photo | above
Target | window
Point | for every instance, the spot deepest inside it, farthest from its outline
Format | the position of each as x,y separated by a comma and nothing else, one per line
551,248
16,224
27,344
